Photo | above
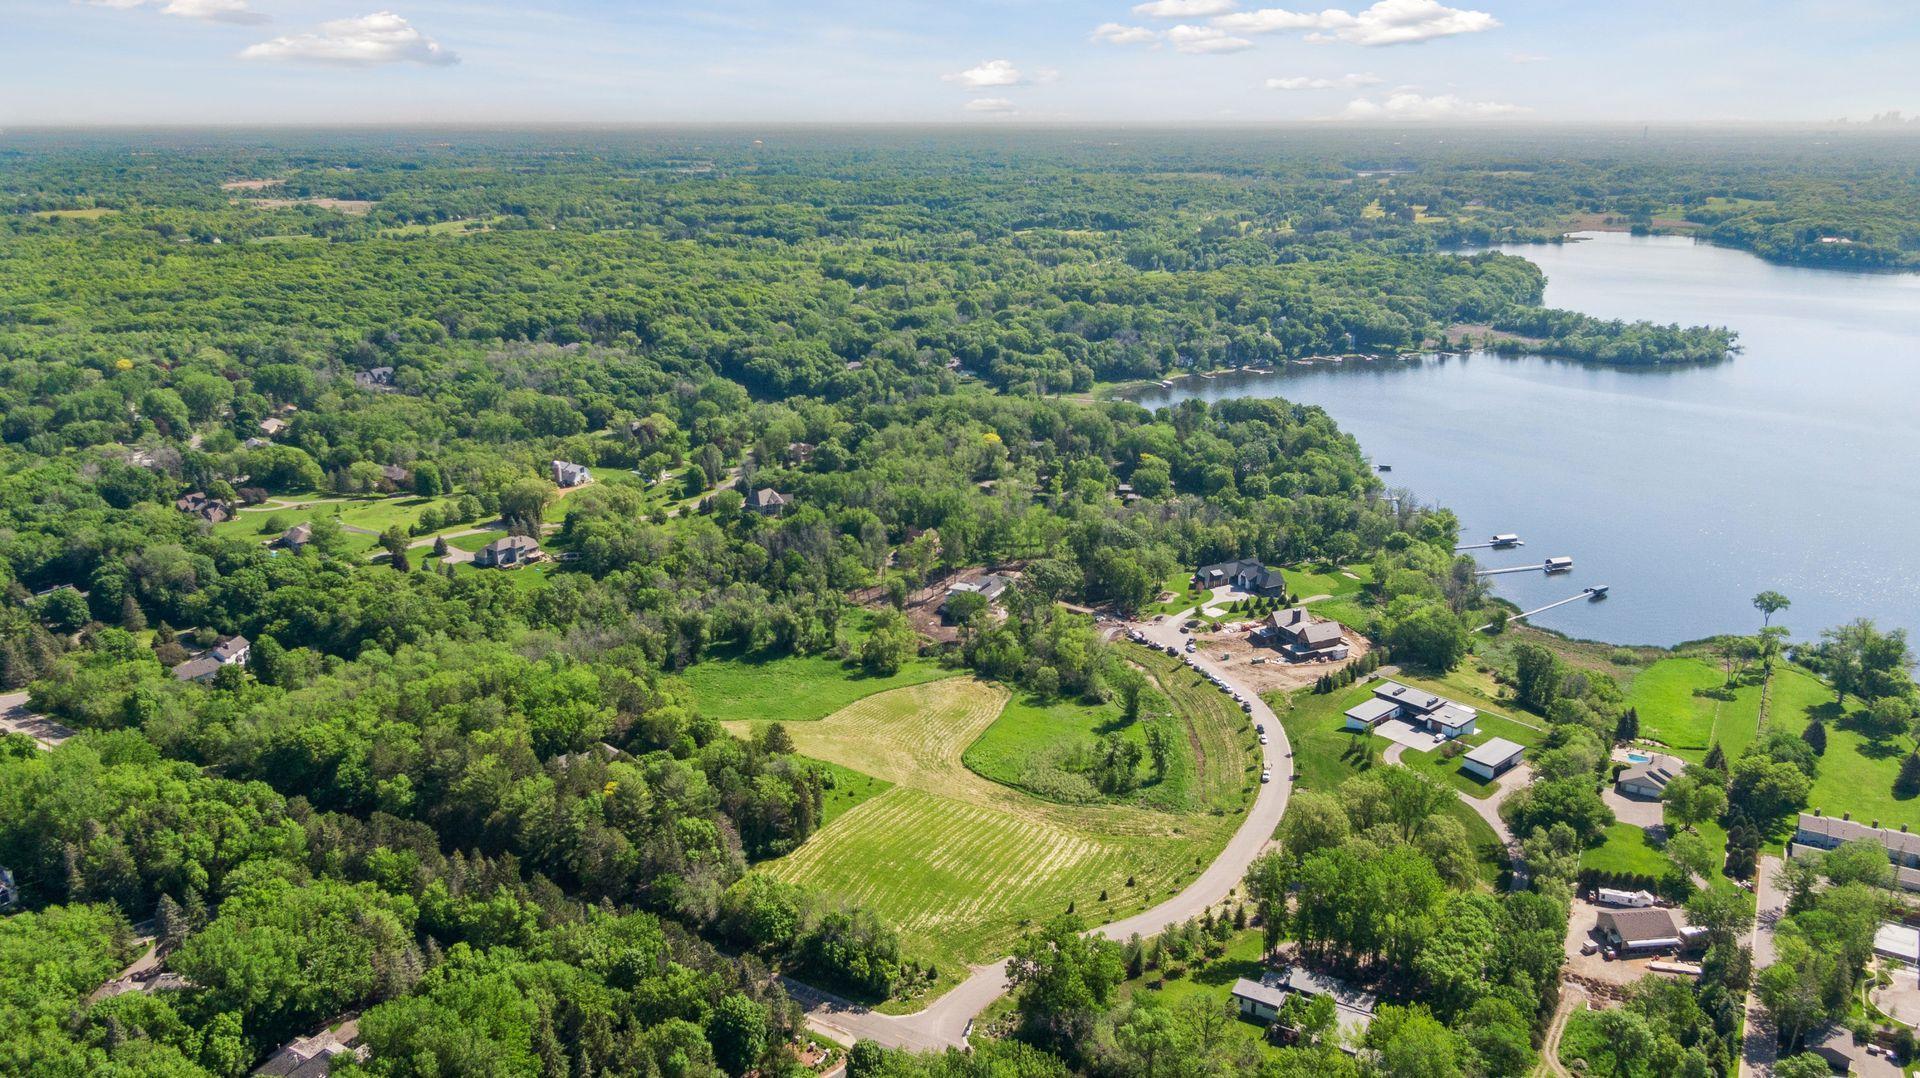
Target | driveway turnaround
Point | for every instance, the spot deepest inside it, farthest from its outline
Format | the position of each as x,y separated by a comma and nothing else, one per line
946,1022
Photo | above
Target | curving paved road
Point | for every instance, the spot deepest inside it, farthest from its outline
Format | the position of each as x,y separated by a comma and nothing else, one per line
16,719
946,1022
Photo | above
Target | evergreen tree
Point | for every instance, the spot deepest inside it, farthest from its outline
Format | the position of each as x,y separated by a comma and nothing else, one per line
1908,784
1628,728
1716,758
1816,735
132,619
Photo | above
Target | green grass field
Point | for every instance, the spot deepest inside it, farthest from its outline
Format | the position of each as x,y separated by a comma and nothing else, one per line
793,688
1327,713
961,864
1332,581
1212,983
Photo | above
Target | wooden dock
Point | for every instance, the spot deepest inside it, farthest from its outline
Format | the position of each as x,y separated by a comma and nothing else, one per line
1587,594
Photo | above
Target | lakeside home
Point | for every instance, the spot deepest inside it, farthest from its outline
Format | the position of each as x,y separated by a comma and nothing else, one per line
1418,708
1247,575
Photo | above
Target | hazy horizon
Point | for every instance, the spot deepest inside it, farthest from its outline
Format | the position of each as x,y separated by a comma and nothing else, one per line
66,63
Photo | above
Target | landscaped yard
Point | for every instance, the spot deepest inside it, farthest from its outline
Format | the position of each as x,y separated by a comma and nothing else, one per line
1328,712
1333,581
1324,756
960,864
1212,983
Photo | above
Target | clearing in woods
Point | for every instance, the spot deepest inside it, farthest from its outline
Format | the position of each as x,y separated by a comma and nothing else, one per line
960,864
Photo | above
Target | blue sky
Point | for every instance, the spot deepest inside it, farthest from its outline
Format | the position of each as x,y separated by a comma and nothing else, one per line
1159,61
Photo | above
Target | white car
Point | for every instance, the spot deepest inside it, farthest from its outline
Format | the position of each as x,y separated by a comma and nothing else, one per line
1263,739
1266,776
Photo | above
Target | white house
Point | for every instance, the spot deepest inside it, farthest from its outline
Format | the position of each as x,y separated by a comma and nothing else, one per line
1428,711
229,652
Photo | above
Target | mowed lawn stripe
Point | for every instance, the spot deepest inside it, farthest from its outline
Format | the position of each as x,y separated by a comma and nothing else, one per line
959,864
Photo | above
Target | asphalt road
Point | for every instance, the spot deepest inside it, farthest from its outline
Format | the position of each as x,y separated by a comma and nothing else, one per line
946,1022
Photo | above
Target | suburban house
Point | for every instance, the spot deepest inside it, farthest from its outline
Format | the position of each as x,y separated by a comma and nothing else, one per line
396,475
1649,780
272,426
1302,635
767,502
377,378
295,537
1417,707
211,510
1639,930
570,475
312,1057
1493,759
1817,832
989,587
799,452
1246,575
1260,1000
508,553
202,667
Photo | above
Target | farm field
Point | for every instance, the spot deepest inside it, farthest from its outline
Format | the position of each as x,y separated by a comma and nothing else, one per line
962,864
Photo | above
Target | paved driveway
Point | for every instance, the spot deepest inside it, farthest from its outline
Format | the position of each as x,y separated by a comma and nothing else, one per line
16,719
946,1022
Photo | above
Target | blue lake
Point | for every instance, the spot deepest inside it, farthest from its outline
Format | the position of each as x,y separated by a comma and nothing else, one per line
1789,467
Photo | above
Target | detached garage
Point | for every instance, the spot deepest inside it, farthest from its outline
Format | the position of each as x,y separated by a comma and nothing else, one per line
1493,759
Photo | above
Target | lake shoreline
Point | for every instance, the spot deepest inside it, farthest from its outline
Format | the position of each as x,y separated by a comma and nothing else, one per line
1684,488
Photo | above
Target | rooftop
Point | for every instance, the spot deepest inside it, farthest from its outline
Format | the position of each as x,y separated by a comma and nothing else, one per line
1496,752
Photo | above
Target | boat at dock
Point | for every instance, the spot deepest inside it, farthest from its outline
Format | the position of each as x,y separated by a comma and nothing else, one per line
1597,591
1557,565
1505,539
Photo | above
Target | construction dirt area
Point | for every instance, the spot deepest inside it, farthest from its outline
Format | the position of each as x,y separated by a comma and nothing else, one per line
1275,674
923,604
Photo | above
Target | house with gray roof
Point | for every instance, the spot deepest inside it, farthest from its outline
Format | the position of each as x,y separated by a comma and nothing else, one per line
568,474
1302,635
1491,760
1648,781
1243,574
767,502
202,667
508,553
1425,710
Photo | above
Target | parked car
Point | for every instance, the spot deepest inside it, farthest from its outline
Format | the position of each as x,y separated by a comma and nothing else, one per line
1263,739
1266,776
1259,662
1589,947
1224,657
1171,650
1246,707
1259,727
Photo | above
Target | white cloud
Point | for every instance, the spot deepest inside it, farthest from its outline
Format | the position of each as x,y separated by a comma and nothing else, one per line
1389,22
1114,33
1183,9
380,38
1344,82
234,11
1408,105
999,105
987,73
1205,40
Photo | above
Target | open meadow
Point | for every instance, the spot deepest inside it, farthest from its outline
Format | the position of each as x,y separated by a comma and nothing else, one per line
962,864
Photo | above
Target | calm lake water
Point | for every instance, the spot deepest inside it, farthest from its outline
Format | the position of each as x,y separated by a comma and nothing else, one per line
1791,466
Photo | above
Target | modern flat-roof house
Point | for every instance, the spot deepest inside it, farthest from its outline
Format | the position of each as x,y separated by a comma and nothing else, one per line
1639,930
1491,760
1649,780
1302,635
1245,574
1819,833
767,501
1428,711
508,553
202,667
566,474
